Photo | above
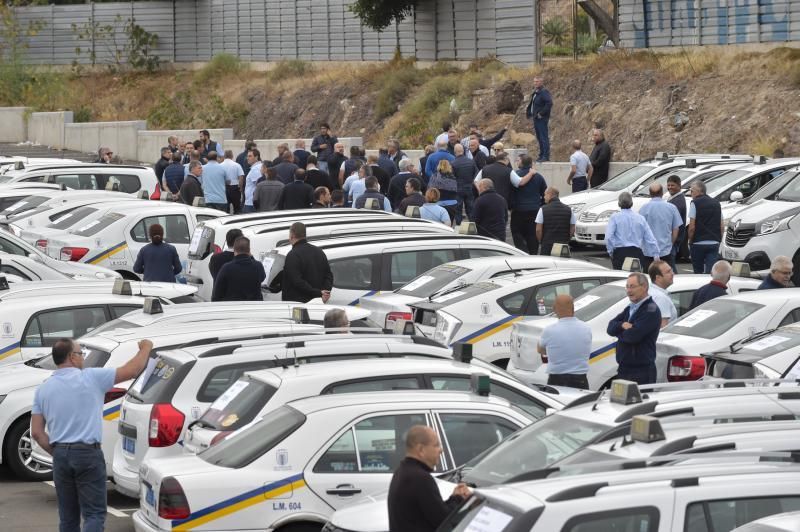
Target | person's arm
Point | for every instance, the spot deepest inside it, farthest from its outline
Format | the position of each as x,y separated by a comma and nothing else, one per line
490,141
589,171
649,240
387,206
138,266
572,171
135,365
539,227
548,104
612,224
220,285
176,262
281,199
615,325
315,144
341,175
430,503
241,182
645,323
310,197
39,434
690,228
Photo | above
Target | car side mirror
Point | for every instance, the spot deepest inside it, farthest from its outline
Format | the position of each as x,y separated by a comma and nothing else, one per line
737,196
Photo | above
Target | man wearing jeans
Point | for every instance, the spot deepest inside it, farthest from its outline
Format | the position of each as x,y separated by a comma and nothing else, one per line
70,404
705,229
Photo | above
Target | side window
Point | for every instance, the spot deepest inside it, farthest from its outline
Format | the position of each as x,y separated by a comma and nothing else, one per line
376,385
410,264
5,268
7,246
78,181
34,179
478,253
176,229
126,182
629,519
380,441
515,303
682,301
353,273
451,382
220,379
120,310
542,302
732,513
468,435
792,317
745,187
204,218
33,335
340,457
516,398
65,323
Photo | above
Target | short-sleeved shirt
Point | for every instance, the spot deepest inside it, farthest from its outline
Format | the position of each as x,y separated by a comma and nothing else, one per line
664,302
581,163
568,343
232,171
540,218
71,402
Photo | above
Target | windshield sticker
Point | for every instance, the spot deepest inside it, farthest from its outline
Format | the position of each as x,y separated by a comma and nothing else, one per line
585,301
488,520
88,226
698,316
419,281
229,420
229,395
448,297
195,243
766,343
16,206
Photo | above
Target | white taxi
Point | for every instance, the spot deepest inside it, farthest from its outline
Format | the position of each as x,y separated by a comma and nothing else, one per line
17,268
386,308
596,308
303,460
114,239
482,314
128,179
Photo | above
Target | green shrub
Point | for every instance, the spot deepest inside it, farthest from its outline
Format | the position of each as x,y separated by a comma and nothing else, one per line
396,83
555,31
82,114
288,69
221,65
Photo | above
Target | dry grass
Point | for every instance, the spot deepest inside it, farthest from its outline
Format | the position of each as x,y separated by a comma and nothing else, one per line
764,145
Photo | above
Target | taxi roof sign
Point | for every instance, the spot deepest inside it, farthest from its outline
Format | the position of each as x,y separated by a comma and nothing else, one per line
300,315
152,305
480,383
467,228
462,352
121,287
740,269
625,392
632,264
646,429
372,204
405,327
560,250
412,211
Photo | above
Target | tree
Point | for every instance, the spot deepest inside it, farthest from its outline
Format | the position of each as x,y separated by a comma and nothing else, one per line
378,14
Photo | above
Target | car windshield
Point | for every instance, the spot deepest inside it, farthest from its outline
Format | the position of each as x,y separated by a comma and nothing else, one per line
791,192
67,219
465,292
239,405
626,178
721,182
26,204
535,447
593,303
92,228
433,280
713,318
643,189
772,344
772,189
92,358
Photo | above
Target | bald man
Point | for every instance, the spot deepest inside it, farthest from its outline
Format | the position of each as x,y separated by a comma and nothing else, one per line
565,346
414,501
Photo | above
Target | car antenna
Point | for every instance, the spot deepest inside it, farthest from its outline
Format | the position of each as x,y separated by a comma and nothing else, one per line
515,272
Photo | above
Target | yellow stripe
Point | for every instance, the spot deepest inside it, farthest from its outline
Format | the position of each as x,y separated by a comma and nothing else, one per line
111,416
497,329
107,254
603,355
9,353
241,505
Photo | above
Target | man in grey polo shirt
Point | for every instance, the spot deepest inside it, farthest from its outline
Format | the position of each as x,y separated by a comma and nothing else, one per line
565,346
70,404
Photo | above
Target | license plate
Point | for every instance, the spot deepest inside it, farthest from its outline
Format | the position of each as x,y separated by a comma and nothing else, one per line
730,254
128,445
149,496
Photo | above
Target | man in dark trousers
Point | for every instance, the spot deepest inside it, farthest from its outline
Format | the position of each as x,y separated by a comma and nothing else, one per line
526,200
677,198
490,212
415,504
705,228
218,260
636,329
298,194
241,278
555,222
720,275
306,272
600,158
539,110
465,171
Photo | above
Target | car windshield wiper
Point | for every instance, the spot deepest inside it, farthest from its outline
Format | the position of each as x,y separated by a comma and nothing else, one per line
738,345
445,291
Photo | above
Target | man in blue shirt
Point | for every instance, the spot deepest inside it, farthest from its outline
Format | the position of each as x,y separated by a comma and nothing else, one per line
433,160
628,235
70,405
664,220
214,180
252,178
565,346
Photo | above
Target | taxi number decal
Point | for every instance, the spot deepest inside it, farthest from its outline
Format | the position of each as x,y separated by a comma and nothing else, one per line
284,506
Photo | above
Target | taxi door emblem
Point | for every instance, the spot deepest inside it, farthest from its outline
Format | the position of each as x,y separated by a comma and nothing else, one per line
485,308
282,457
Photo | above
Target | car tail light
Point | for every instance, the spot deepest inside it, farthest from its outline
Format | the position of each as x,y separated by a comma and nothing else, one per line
113,394
683,368
216,249
394,317
219,437
166,424
42,244
172,503
156,195
73,254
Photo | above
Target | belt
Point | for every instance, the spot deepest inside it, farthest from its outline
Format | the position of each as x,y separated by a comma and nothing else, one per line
77,445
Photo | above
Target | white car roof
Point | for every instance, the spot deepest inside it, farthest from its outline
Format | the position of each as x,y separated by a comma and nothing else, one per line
522,262
126,207
100,286
694,281
765,297
357,243
394,399
260,218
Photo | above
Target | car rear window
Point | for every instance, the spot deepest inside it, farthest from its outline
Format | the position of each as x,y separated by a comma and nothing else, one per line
713,318
94,227
238,406
766,346
26,204
64,220
92,358
433,280
461,293
596,301
251,442
159,381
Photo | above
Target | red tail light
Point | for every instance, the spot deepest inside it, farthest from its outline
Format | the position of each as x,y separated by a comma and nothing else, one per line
397,316
113,394
156,195
166,425
219,437
42,245
216,249
172,503
683,368
73,254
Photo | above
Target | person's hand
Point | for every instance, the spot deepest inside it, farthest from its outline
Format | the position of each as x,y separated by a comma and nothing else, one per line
569,180
145,344
325,295
627,325
323,146
544,358
463,491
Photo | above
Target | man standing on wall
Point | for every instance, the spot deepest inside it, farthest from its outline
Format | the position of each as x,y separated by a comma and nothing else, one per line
323,145
539,110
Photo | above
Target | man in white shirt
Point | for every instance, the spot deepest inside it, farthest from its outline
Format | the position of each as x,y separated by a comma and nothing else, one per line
580,168
661,277
234,181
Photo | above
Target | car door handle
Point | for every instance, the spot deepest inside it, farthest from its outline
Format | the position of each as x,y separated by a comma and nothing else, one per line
344,490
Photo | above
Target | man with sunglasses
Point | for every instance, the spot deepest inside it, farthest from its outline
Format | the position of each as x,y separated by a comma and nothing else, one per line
70,405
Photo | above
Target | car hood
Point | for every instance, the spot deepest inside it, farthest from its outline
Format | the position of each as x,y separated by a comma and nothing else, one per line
18,376
761,210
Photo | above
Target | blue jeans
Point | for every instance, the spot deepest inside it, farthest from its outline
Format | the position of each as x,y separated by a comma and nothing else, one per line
703,257
540,128
323,165
465,200
80,478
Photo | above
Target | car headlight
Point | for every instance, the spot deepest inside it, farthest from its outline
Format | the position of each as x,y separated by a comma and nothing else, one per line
605,215
577,207
446,327
774,224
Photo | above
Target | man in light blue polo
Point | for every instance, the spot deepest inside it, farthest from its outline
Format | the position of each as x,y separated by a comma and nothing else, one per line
214,184
628,235
665,222
70,404
565,346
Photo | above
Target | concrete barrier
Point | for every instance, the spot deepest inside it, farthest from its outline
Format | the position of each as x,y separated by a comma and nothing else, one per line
48,128
150,142
556,174
14,124
121,137
269,147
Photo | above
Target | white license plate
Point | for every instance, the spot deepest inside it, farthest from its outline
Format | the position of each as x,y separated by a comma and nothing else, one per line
730,254
129,445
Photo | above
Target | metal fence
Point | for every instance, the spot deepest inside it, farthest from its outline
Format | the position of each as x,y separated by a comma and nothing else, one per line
273,30
651,23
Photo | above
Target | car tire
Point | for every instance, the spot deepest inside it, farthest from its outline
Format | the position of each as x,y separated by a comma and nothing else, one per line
16,453
301,527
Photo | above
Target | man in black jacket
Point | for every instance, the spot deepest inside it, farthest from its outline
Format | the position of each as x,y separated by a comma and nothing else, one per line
306,272
414,197
191,188
490,212
316,177
539,110
397,185
286,168
323,144
163,162
465,171
718,287
241,278
555,222
415,504
298,194
600,158
218,260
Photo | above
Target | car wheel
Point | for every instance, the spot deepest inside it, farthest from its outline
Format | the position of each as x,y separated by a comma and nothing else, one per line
301,527
17,454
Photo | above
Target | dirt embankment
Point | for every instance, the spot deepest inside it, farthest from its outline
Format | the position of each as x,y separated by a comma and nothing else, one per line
690,102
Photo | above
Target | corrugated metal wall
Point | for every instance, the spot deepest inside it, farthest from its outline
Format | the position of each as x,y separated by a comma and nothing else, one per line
650,23
271,30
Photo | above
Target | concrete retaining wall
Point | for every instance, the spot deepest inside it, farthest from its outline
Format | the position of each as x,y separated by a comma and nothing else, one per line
13,124
149,143
48,128
121,137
